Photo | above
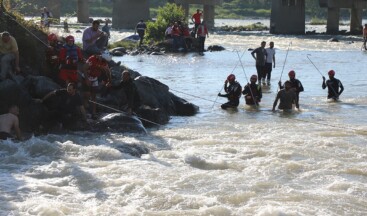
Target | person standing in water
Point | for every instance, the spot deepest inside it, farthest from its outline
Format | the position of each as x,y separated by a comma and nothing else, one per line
296,85
252,92
270,62
233,92
335,87
287,97
260,61
8,122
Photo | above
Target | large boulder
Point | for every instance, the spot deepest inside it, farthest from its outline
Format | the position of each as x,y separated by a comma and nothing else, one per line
119,122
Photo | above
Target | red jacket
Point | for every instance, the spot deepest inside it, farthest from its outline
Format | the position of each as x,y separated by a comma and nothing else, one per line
202,31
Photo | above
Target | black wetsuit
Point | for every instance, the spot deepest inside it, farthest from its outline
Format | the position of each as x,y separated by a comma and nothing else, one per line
233,93
131,92
255,92
333,88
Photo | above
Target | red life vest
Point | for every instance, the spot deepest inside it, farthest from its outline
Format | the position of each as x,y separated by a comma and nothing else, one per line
94,65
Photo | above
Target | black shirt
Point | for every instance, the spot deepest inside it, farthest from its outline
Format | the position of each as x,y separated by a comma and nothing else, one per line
70,103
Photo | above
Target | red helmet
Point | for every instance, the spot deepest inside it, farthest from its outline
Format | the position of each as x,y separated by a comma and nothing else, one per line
69,38
292,73
254,77
331,73
52,37
231,78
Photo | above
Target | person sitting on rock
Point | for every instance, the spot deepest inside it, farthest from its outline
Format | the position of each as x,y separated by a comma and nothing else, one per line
94,40
52,55
96,68
70,107
168,32
187,37
140,28
8,53
70,55
202,33
8,122
176,35
131,92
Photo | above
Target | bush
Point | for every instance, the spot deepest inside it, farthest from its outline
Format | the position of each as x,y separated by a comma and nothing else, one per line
165,15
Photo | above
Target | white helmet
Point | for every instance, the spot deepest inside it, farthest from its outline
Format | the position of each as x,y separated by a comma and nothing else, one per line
106,56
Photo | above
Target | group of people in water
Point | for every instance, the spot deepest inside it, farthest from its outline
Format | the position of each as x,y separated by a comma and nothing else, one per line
288,95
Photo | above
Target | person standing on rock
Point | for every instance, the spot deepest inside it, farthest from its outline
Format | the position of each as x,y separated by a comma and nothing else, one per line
106,29
8,53
8,122
260,61
52,55
94,40
140,28
270,62
202,33
196,19
233,92
131,92
96,68
46,15
252,92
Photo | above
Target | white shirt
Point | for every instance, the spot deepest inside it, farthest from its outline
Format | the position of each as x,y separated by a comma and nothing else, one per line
270,53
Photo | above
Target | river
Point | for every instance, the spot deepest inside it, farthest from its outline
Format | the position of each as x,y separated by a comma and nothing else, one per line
239,162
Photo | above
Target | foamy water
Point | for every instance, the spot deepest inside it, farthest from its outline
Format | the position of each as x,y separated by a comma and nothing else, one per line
239,162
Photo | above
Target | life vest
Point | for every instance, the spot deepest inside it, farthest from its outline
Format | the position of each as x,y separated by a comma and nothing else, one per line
94,64
202,30
255,92
176,31
71,54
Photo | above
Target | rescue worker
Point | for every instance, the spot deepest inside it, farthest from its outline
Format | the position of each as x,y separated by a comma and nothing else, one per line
202,32
296,85
176,35
252,92
233,92
140,28
335,87
96,68
52,55
287,97
70,55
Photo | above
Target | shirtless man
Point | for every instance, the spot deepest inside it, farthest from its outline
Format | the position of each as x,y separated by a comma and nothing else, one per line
9,121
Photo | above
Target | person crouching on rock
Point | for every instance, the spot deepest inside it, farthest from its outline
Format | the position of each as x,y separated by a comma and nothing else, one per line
70,55
96,67
131,92
252,92
233,92
8,122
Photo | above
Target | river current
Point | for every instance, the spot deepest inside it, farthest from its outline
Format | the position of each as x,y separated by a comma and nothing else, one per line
238,162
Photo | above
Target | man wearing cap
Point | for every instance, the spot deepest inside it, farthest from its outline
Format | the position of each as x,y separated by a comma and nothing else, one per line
8,52
335,87
287,97
260,61
296,85
233,92
252,92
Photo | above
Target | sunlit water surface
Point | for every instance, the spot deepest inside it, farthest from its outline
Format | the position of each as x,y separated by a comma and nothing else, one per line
238,162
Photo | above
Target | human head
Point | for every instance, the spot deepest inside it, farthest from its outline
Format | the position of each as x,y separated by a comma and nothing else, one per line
292,74
231,78
253,78
271,44
141,20
70,40
14,109
287,85
125,75
52,37
95,25
71,88
263,44
45,9
5,36
331,73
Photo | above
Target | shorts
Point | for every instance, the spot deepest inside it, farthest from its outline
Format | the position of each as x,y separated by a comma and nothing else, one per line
68,75
94,84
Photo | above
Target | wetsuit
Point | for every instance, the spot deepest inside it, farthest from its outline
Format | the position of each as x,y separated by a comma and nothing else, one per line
131,92
233,95
252,90
333,88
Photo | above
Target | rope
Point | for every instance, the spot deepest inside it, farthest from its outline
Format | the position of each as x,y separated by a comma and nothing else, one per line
117,110
285,60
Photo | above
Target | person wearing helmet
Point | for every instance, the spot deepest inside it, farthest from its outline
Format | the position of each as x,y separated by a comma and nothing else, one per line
52,55
130,90
252,92
335,87
94,40
287,97
70,55
95,69
260,61
296,85
233,92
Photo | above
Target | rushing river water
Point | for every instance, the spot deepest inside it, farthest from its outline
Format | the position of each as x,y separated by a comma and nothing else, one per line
242,162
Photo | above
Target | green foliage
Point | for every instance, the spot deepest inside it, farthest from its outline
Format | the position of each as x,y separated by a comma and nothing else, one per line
166,15
129,45
317,21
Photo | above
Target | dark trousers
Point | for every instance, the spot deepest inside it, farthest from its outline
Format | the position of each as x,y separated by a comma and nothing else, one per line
268,69
230,104
260,72
201,43
196,27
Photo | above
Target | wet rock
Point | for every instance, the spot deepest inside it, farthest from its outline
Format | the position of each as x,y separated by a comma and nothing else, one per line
119,122
333,40
133,149
78,31
215,48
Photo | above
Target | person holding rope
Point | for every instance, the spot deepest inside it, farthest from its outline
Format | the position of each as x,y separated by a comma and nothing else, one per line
296,85
233,92
8,53
130,90
260,61
96,68
287,97
252,92
335,87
